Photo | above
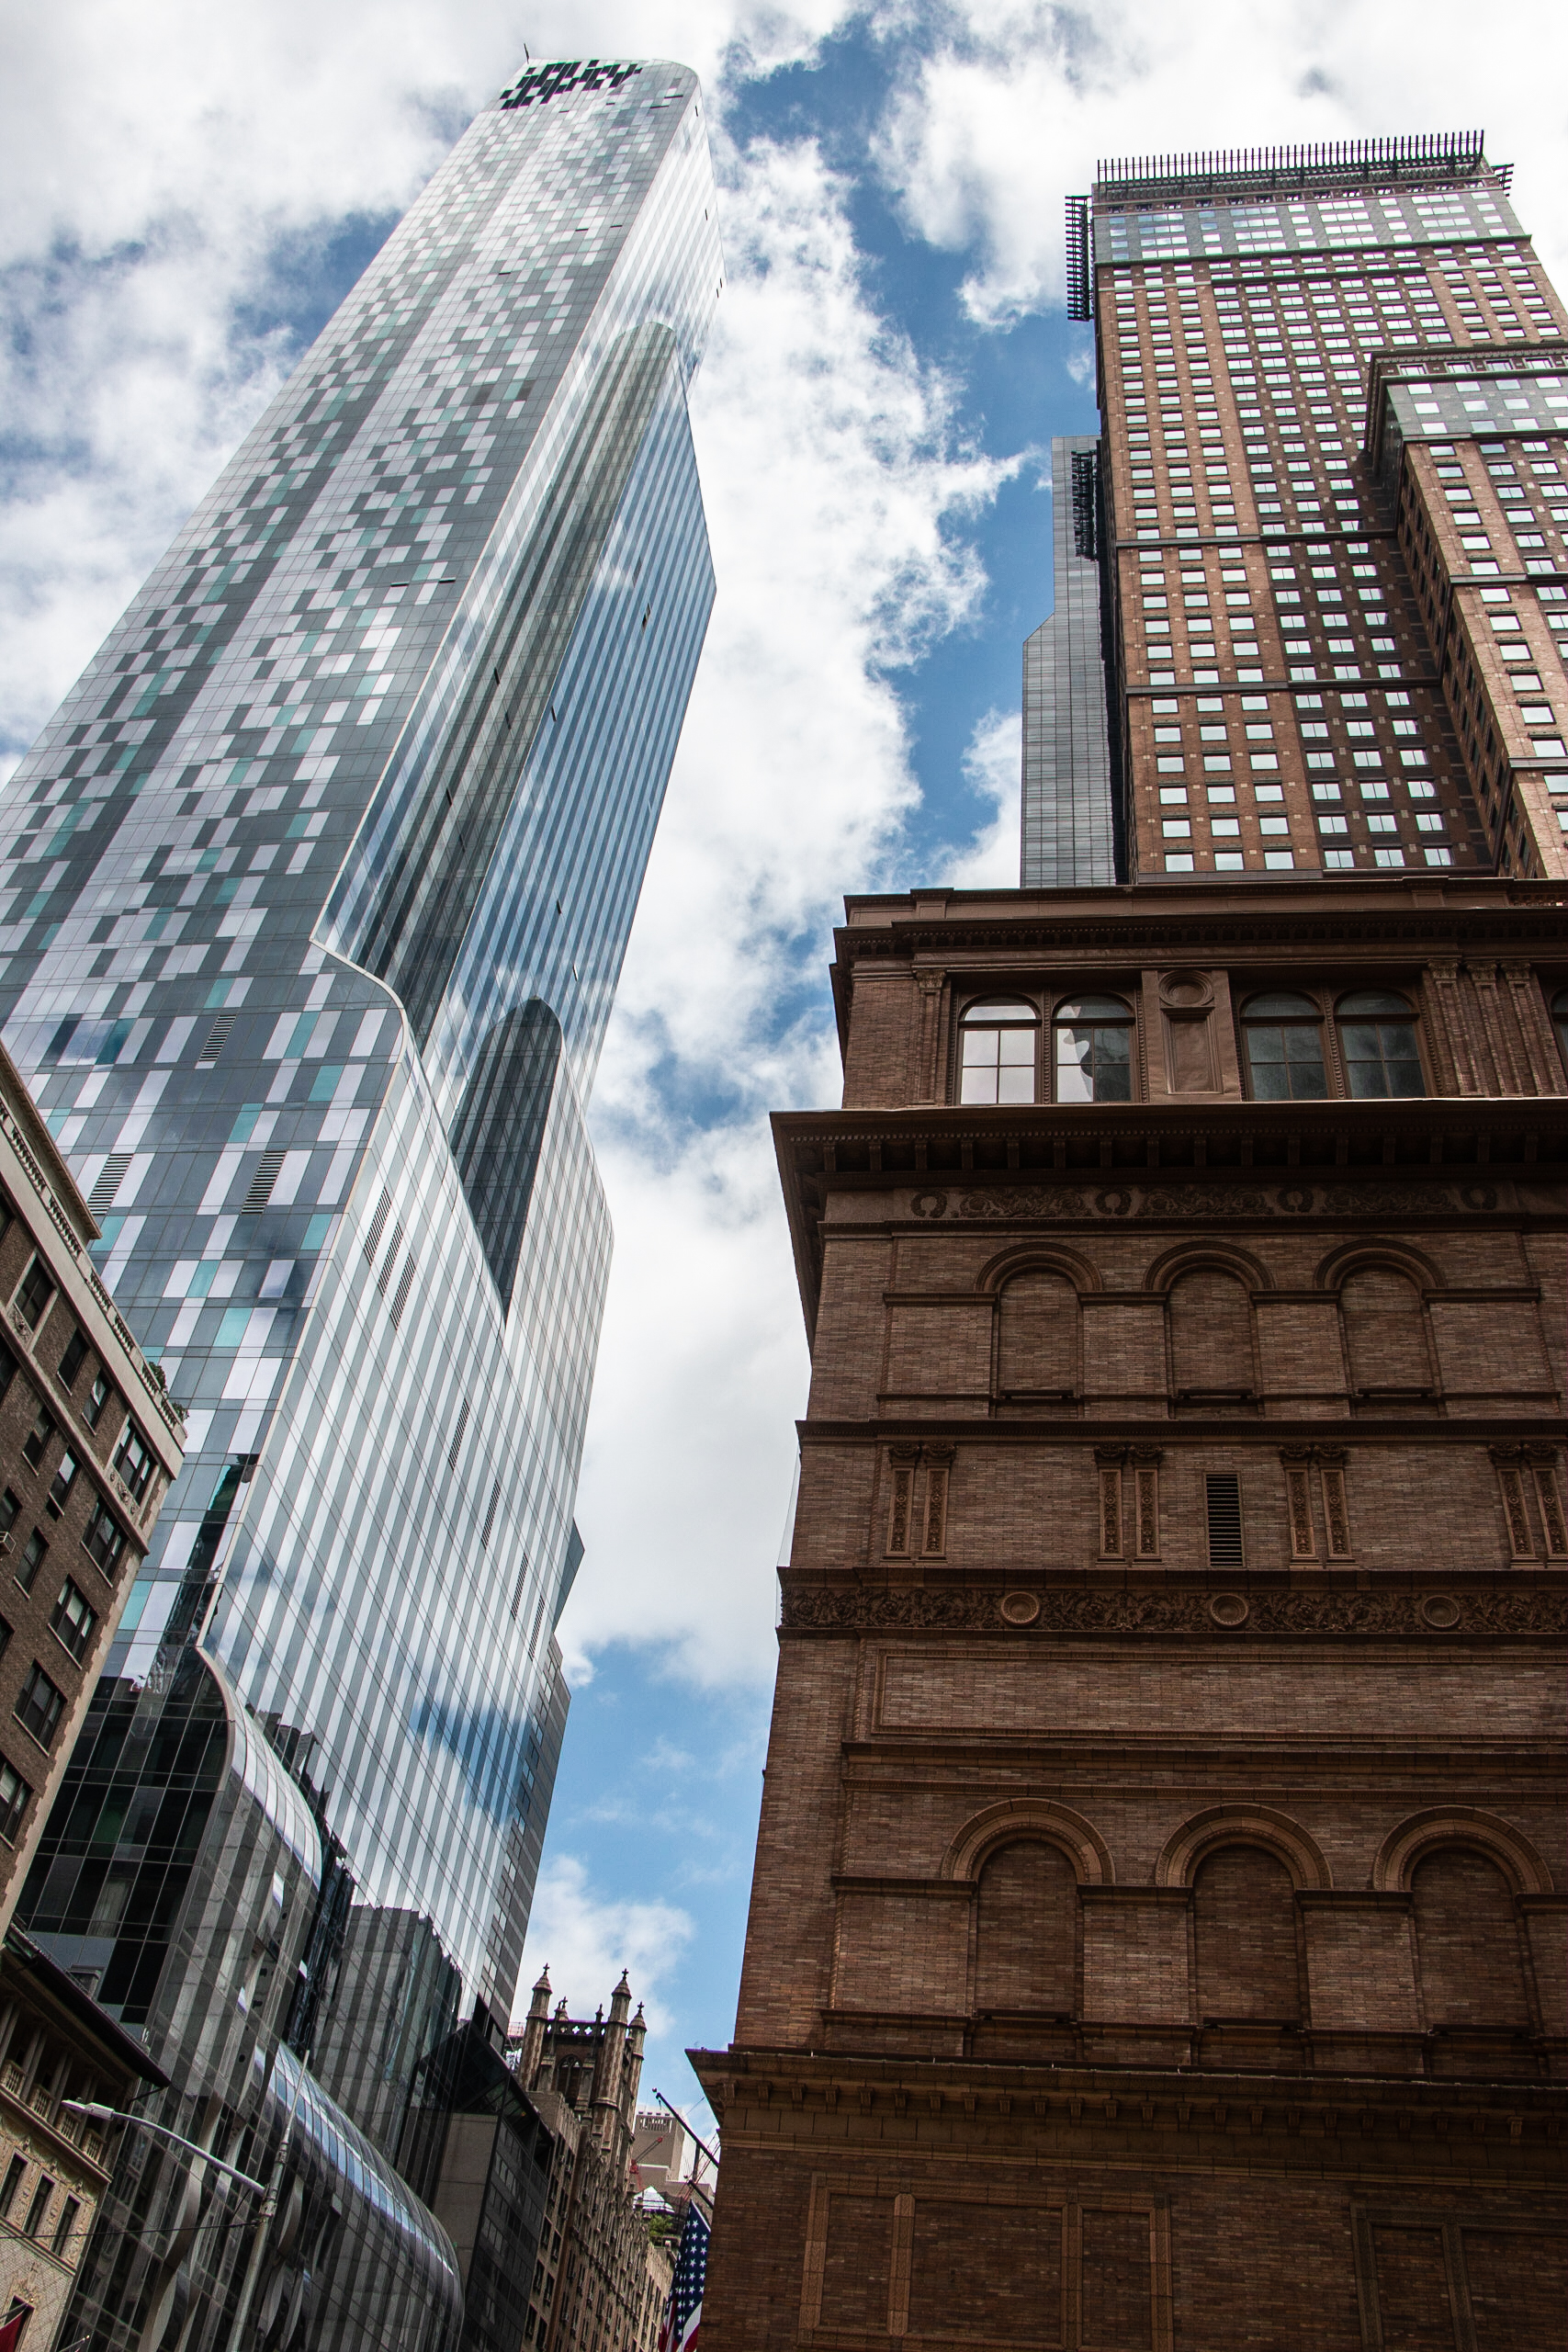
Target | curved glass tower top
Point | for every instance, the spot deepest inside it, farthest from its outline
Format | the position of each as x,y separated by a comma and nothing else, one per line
316,891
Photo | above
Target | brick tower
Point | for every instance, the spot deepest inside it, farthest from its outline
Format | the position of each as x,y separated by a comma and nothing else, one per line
1156,1940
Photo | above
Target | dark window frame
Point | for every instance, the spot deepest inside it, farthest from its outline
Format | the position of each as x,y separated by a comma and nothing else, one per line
139,1475
13,1805
1405,1017
36,1443
73,1357
50,1714
78,1640
1315,1022
30,1291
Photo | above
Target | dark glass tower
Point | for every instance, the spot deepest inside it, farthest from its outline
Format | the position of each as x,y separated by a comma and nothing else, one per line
318,886
1069,830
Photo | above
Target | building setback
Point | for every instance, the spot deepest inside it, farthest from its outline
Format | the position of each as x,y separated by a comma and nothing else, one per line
1156,1936
316,892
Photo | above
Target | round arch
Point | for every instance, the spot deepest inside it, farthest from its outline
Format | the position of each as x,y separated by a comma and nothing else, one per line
1378,1255
1206,1257
1229,1825
1016,1819
1403,1848
1038,1257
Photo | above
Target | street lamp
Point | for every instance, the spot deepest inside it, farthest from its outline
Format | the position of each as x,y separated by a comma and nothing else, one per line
92,2111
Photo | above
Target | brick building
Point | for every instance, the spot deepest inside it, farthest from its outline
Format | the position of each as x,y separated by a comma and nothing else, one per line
1320,544
1156,1936
89,1446
599,2284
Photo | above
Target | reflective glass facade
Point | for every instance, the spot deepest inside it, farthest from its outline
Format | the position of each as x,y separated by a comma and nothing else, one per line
1070,833
316,891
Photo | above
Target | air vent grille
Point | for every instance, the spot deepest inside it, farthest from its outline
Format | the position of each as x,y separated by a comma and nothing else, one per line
107,1181
217,1038
264,1180
1223,1491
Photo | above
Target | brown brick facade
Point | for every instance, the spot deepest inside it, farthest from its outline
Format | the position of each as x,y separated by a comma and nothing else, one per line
1156,1936
89,1447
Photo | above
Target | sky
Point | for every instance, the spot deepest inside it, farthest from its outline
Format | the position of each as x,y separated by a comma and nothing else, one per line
185,194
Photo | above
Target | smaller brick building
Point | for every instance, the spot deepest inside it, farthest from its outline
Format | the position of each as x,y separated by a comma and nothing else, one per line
90,1444
55,2044
599,2285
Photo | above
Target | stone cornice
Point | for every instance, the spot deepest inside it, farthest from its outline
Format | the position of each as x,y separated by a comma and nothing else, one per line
1164,2101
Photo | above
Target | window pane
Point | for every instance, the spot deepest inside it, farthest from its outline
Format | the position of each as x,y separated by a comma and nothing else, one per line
1283,1003
1286,1063
1381,1059
1074,1065
1094,1065
1364,1001
1090,1008
997,1066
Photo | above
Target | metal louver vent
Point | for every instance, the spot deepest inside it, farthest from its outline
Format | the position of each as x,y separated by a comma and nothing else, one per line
405,1283
107,1181
373,1238
517,1588
217,1038
489,1515
455,1447
264,1180
1222,1492
1080,291
1086,490
390,1260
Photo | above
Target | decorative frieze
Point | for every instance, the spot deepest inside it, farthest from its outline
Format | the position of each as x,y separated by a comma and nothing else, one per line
1514,1611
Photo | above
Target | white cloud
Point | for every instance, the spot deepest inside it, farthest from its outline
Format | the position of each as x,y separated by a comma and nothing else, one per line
1004,109
993,769
586,1939
158,167
829,481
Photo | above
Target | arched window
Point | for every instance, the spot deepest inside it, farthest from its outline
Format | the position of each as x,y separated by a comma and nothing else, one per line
1284,1048
1037,1351
997,1053
1385,1333
1027,1931
1244,1912
1211,1335
1468,1942
1377,1034
1094,1050
1560,1021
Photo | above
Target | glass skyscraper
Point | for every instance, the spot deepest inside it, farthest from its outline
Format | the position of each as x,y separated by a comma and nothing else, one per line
316,891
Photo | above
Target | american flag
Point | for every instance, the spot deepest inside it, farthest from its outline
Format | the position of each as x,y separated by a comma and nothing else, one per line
683,2317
